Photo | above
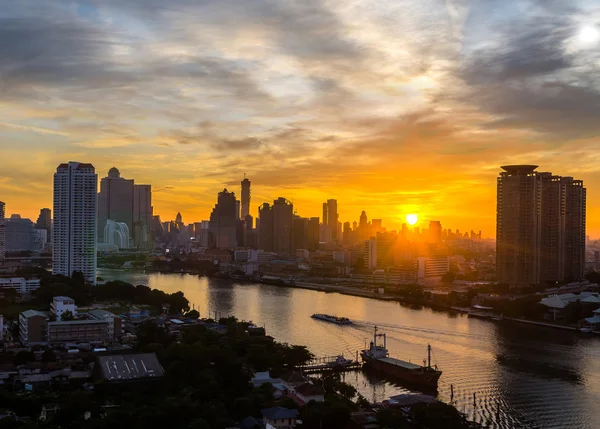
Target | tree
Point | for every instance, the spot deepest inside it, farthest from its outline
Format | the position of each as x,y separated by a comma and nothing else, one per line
67,316
48,356
23,357
78,277
192,314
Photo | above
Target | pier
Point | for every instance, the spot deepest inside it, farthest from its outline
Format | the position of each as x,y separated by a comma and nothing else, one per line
330,363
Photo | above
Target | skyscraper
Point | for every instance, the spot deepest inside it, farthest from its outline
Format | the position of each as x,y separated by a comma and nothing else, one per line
275,233
325,214
223,221
245,198
142,214
44,221
435,231
115,201
2,232
332,219
540,229
75,220
312,234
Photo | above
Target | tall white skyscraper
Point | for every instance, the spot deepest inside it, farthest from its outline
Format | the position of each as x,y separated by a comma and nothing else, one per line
75,219
2,233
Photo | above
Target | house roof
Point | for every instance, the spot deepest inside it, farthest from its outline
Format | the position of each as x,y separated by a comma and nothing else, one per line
293,377
308,389
127,367
278,413
251,423
593,320
100,314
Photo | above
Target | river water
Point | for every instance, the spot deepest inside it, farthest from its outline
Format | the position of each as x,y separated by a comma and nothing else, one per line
522,376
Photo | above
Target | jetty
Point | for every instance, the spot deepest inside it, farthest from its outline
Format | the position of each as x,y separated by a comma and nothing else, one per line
330,363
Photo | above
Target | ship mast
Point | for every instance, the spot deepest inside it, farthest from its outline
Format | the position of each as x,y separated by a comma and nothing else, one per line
428,355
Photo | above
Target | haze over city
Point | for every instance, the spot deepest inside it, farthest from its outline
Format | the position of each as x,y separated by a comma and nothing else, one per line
410,108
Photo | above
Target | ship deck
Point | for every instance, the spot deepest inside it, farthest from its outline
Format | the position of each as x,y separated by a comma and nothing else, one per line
401,363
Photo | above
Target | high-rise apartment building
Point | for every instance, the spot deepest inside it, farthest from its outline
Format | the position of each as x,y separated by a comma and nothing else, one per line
44,221
435,231
142,214
223,221
540,228
75,220
332,219
115,201
370,254
245,198
2,233
20,234
325,214
312,234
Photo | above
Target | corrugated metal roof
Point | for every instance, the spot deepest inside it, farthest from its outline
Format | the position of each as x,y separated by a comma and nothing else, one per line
125,367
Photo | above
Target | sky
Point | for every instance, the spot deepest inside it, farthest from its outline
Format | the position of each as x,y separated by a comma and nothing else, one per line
388,106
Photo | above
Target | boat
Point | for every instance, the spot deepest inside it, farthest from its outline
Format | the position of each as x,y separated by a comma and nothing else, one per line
481,312
498,318
341,361
377,357
586,330
332,319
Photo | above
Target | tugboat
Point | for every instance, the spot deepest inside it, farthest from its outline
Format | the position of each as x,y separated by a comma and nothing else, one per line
332,319
377,358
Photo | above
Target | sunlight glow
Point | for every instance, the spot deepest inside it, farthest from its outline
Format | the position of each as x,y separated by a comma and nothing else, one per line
412,219
589,34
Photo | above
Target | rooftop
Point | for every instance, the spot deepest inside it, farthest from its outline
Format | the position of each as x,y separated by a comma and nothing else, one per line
519,169
100,314
278,413
130,366
62,298
31,313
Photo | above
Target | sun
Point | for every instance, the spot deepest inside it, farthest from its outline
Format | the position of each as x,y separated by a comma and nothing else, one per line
412,219
589,35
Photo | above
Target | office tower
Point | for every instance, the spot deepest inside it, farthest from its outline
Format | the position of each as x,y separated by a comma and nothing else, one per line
116,234
265,228
370,254
115,201
245,197
20,234
142,214
75,220
312,234
275,233
237,209
299,233
376,224
223,222
540,228
435,231
332,219
2,233
385,249
44,221
179,218
347,234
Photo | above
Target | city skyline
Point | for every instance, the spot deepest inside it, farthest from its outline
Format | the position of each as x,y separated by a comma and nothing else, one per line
405,110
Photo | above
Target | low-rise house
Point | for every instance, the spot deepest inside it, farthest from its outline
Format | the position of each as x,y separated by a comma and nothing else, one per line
363,420
279,417
309,392
62,304
293,379
115,324
20,284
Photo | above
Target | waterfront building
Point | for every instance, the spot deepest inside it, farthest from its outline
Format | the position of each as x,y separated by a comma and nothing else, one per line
2,233
74,226
115,200
142,215
116,233
20,284
370,254
20,234
431,269
246,197
44,221
540,235
223,221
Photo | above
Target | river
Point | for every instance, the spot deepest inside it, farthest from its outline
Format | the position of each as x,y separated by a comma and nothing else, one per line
522,376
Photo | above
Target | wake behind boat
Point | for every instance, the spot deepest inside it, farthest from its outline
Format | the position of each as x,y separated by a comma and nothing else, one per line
332,319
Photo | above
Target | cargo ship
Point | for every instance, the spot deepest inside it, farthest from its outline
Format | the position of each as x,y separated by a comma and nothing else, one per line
377,357
332,319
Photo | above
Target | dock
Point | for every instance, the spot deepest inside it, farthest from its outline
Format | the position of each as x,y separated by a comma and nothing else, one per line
329,363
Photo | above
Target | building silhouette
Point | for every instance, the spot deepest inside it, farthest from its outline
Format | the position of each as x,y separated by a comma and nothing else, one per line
276,224
20,234
115,200
246,197
44,221
540,227
435,231
223,222
142,215
75,220
312,234
2,232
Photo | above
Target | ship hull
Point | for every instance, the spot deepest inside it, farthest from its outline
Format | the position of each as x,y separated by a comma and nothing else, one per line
421,378
337,322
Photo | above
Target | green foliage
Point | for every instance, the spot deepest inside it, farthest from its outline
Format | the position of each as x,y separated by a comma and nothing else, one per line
67,316
192,314
122,291
56,285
